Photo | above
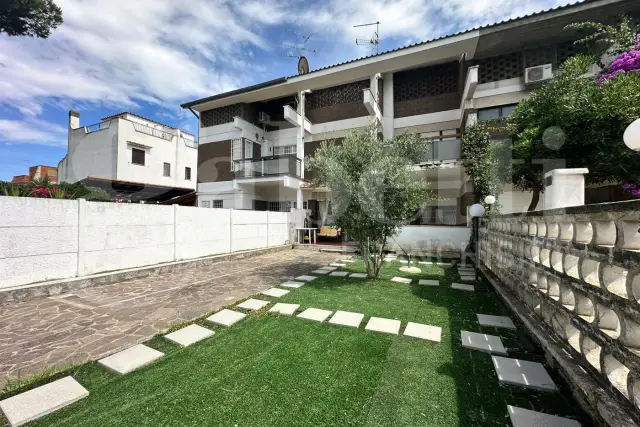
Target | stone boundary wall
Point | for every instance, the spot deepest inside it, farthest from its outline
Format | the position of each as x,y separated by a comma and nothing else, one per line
48,239
572,276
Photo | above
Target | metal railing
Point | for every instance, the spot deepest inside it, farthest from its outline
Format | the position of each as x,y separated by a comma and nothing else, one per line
97,126
447,150
268,166
159,133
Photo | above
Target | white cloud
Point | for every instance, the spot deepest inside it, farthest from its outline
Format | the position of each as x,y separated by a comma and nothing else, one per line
32,131
121,52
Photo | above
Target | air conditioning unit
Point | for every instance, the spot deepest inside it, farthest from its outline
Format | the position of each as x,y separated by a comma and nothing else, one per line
538,74
263,118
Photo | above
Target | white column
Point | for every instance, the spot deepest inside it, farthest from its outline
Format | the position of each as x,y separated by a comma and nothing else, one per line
387,106
299,198
564,187
300,141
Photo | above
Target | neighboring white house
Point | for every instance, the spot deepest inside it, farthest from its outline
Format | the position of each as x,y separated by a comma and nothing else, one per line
126,152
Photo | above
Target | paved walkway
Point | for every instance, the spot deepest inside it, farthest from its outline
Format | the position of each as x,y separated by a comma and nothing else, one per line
91,323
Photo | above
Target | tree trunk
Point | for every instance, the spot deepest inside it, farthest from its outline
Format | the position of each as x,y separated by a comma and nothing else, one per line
535,198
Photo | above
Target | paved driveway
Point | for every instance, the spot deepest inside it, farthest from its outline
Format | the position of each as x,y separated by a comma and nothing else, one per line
90,323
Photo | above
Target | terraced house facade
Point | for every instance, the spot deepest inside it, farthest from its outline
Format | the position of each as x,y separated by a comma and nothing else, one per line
253,141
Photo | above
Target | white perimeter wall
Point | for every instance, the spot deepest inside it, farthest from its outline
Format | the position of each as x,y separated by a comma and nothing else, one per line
45,239
425,237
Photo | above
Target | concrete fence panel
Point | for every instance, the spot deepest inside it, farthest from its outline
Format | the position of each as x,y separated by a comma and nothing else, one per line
248,230
202,232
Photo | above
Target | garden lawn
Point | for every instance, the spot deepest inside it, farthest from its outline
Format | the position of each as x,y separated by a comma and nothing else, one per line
272,370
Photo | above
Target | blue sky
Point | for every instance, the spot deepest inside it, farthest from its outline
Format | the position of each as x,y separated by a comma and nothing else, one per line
149,56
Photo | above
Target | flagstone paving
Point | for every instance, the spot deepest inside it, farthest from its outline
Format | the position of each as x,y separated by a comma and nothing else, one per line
253,304
189,335
387,326
284,308
93,322
43,400
482,342
226,317
129,360
347,318
523,373
275,292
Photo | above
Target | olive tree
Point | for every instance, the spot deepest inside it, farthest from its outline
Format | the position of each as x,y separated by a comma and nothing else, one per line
374,190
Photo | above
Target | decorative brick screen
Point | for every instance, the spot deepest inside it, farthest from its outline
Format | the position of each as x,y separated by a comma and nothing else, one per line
540,56
426,90
336,103
572,276
501,67
219,116
567,49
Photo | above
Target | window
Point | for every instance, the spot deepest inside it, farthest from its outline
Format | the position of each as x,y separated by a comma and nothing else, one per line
305,205
493,113
236,151
166,169
137,156
217,204
285,149
205,204
279,206
187,174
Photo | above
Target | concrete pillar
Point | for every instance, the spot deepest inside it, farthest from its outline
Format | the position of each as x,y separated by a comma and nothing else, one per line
299,198
387,106
564,187
300,141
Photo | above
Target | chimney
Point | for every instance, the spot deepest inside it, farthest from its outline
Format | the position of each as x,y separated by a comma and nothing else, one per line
74,119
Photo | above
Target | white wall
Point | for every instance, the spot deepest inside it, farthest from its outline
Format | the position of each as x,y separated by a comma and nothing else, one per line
38,240
90,154
418,237
45,239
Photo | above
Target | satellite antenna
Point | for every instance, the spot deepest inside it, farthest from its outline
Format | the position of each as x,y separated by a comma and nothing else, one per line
374,40
303,65
303,62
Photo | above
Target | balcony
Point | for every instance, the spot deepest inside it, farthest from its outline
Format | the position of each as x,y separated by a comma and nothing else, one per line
445,151
288,165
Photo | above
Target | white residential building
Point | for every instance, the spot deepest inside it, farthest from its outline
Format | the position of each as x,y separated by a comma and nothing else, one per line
131,157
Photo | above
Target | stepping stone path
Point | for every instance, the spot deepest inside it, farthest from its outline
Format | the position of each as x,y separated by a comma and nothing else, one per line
226,317
483,342
426,282
283,308
189,335
292,284
347,318
403,261
387,326
253,304
337,264
358,275
523,373
41,401
130,359
424,332
467,278
425,262
495,321
339,274
462,287
321,271
315,314
329,269
275,292
347,260
521,417
404,280
305,278
444,264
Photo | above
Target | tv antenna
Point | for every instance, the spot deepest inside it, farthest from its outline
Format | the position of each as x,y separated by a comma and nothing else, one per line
299,48
374,40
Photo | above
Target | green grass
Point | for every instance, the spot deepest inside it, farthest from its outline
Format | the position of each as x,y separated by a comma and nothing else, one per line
272,370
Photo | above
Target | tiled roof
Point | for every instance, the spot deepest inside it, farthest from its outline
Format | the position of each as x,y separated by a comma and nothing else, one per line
284,79
113,116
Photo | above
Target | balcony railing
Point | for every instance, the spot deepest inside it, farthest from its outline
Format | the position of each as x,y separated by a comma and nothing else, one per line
267,166
439,151
159,133
96,127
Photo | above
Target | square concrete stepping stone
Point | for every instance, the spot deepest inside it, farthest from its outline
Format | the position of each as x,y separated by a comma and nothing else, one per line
424,332
131,359
425,262
358,275
189,335
305,278
292,284
346,318
521,417
321,272
427,282
339,274
226,317
347,261
337,264
380,324
329,269
495,321
404,280
275,292
403,261
523,373
41,401
467,279
315,314
483,342
462,287
253,304
283,308
444,264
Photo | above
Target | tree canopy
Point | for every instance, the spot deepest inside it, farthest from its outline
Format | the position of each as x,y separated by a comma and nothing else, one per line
34,18
373,189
